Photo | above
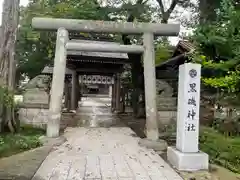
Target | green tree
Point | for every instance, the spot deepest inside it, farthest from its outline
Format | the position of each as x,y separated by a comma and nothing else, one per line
163,53
219,48
36,48
207,10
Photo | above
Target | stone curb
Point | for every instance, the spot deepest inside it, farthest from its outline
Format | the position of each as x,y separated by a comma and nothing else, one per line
159,145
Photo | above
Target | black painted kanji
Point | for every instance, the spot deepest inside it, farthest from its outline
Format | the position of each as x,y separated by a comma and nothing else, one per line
191,114
192,101
192,87
191,127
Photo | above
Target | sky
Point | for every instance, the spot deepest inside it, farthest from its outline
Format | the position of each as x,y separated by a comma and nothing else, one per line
173,40
22,2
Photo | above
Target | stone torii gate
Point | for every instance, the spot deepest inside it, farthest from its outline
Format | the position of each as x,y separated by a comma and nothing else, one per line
63,44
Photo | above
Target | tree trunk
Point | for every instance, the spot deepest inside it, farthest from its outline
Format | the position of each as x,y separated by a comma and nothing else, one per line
9,29
166,13
207,10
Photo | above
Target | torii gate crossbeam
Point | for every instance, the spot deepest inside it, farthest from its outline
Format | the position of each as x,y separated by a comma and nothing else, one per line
105,26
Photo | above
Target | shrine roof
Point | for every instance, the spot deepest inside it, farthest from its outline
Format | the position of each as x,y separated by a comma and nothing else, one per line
179,55
182,47
49,70
104,55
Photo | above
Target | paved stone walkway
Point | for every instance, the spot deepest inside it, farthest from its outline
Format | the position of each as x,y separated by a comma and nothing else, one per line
96,112
103,150
103,154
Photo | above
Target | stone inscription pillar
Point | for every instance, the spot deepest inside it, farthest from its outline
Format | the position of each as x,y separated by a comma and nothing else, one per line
150,87
59,69
186,155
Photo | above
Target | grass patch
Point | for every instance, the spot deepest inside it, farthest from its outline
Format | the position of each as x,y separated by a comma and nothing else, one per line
26,139
222,150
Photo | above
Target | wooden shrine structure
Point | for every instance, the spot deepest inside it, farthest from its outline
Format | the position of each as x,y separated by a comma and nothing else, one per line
91,68
74,54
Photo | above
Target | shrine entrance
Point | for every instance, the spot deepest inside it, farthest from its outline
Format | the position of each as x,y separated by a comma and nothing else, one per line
88,57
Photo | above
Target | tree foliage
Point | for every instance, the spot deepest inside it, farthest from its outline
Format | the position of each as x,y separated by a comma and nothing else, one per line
36,48
163,52
207,10
219,47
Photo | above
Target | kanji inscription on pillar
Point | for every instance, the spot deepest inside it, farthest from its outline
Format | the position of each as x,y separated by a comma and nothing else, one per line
188,107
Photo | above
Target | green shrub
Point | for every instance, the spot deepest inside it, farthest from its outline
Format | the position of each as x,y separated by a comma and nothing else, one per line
222,150
26,139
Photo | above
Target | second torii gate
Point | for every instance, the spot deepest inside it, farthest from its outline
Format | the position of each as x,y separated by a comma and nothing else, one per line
63,44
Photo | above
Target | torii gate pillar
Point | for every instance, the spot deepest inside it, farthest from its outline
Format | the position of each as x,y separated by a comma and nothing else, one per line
59,69
150,87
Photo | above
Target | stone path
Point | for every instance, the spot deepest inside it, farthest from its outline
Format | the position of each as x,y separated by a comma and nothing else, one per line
96,112
103,154
102,150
